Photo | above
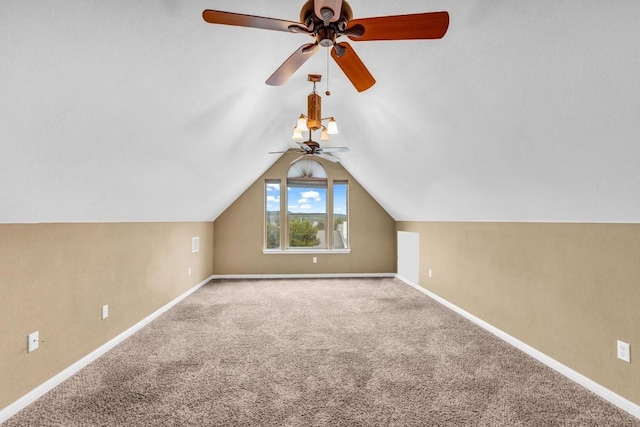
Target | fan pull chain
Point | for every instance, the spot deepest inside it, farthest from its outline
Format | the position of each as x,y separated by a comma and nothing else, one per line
327,91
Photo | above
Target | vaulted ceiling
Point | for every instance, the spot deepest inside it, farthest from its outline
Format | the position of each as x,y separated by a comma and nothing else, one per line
141,111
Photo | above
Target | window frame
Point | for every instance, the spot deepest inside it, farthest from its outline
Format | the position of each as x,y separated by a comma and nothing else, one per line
344,182
265,236
307,184
284,247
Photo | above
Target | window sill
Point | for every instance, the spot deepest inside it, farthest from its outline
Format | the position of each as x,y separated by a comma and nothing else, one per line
305,251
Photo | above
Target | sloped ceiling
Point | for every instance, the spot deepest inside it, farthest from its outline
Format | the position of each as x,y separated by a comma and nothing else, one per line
141,111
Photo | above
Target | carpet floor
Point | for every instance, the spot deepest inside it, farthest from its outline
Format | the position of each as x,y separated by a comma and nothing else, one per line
317,352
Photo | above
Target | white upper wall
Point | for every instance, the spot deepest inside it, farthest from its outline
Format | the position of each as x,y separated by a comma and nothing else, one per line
141,111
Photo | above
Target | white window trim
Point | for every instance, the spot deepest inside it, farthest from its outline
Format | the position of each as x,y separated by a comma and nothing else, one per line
284,249
305,251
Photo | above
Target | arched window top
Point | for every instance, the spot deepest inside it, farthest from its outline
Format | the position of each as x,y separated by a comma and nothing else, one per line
307,169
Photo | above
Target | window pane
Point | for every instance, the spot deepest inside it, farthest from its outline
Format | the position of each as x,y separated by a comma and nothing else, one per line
272,214
307,215
340,217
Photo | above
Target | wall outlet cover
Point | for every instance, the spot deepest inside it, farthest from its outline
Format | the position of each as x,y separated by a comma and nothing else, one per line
624,351
105,311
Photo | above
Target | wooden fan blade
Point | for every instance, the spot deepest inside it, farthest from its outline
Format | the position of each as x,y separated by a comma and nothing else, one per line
327,157
353,67
240,20
334,5
430,25
334,149
295,61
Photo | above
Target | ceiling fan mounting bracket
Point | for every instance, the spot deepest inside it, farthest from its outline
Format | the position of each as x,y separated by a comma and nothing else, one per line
297,28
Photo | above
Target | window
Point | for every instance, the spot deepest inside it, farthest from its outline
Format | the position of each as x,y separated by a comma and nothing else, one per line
272,217
340,218
315,216
307,213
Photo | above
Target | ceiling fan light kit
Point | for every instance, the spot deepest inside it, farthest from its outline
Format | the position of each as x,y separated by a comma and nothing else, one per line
328,20
311,122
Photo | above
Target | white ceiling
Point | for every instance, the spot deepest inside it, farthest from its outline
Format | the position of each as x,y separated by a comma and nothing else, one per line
141,111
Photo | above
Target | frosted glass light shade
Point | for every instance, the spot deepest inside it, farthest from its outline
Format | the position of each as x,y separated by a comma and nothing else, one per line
297,134
324,136
302,123
332,127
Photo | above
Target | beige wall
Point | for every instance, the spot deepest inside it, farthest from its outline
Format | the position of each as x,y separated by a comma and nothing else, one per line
568,290
239,233
55,278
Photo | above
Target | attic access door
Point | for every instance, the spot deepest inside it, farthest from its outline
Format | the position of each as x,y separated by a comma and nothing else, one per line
409,255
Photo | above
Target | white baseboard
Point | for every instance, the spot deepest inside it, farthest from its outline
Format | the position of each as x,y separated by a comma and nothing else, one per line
589,384
301,276
43,388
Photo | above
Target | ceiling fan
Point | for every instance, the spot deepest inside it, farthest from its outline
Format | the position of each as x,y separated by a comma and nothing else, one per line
312,148
326,21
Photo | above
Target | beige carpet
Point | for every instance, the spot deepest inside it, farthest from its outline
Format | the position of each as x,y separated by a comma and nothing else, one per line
357,352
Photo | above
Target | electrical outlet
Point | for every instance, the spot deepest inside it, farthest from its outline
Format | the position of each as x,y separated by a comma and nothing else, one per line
33,341
105,311
429,272
624,352
315,259
189,271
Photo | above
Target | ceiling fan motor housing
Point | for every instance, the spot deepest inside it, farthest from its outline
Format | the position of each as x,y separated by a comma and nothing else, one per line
325,32
307,11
